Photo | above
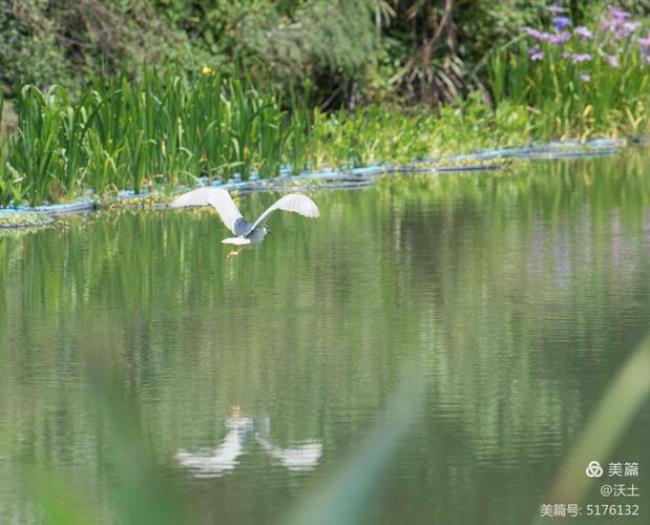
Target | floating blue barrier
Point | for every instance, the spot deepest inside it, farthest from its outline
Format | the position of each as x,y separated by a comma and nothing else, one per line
371,170
462,169
53,209
564,149
355,177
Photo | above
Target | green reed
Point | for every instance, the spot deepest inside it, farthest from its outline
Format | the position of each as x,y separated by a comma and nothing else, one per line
163,130
168,130
299,129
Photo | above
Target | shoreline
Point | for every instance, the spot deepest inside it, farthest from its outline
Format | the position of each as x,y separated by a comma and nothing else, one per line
25,216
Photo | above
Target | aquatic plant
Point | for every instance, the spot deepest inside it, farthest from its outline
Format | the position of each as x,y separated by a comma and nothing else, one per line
166,129
590,78
170,129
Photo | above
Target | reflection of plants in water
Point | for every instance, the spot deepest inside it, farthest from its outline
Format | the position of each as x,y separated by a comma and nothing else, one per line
564,238
517,254
127,262
624,397
345,495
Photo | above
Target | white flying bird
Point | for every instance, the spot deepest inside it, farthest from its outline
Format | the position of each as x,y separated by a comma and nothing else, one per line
246,233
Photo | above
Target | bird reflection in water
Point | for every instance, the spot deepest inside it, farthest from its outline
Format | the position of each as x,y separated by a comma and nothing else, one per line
243,430
302,456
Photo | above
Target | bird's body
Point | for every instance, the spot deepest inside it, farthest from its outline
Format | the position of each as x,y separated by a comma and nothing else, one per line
246,233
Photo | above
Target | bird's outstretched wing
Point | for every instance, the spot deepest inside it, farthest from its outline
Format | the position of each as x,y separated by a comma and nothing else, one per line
219,199
295,202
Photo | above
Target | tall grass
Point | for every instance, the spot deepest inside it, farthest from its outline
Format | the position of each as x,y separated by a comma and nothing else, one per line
166,129
578,81
568,98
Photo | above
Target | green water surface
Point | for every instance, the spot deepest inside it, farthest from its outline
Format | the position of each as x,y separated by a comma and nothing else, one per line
428,351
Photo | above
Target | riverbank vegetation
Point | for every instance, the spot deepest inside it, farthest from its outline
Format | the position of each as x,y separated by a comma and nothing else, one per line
162,93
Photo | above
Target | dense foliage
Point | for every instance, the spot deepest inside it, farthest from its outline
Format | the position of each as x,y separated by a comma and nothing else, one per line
166,129
131,94
351,52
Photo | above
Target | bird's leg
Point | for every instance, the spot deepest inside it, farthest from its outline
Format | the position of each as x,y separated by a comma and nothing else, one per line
232,253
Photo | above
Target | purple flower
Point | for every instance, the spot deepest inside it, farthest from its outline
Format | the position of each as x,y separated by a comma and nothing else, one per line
613,60
556,9
585,77
536,34
624,30
559,38
576,58
622,34
552,38
617,13
561,22
583,33
644,42
645,50
618,24
628,28
535,53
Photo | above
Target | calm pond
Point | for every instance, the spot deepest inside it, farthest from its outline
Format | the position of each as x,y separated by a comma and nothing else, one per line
428,351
